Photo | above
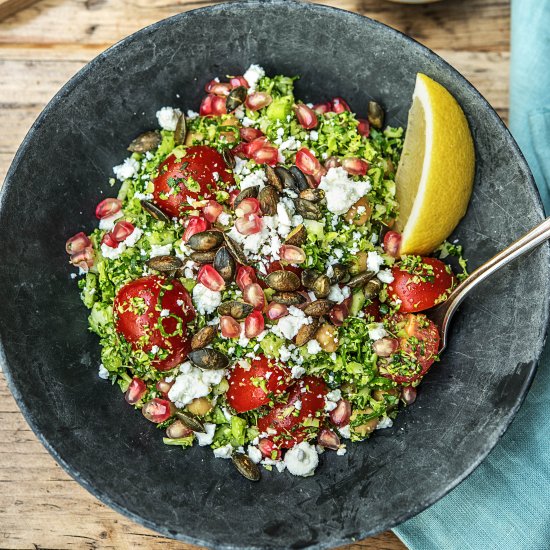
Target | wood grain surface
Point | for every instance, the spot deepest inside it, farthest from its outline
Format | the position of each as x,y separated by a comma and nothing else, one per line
41,47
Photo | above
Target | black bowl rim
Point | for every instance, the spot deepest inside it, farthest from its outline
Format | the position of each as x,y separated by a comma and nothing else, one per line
71,84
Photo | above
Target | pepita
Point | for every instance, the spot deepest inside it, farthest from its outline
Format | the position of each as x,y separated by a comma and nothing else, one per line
340,274
268,198
308,277
236,97
234,308
361,279
191,421
235,250
288,298
156,212
297,237
208,359
204,337
375,115
249,192
283,281
372,288
299,178
148,141
224,264
181,130
286,178
164,263
309,210
229,158
273,179
206,257
306,333
318,308
205,240
244,465
312,195
321,286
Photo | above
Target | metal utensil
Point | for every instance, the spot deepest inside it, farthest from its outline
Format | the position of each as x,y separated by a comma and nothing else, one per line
441,315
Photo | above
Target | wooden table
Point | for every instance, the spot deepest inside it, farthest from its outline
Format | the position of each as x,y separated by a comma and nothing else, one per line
40,48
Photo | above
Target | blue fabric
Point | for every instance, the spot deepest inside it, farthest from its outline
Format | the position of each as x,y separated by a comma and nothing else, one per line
505,503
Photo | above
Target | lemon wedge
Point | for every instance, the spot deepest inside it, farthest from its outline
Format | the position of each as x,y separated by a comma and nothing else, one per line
436,171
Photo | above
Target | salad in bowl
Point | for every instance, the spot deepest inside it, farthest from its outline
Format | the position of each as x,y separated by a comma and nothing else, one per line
246,281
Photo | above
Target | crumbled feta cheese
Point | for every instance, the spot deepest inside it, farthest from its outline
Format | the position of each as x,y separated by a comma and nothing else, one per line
192,114
338,294
386,422
108,223
192,383
224,452
204,439
345,431
103,372
224,218
253,75
313,347
257,178
206,300
165,313
254,454
168,118
297,371
302,459
385,275
314,135
334,395
377,331
112,253
298,405
133,237
284,354
128,169
288,326
374,261
160,250
342,192
341,451
143,196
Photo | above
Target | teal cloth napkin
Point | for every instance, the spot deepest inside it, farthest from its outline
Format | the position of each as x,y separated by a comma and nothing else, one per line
505,503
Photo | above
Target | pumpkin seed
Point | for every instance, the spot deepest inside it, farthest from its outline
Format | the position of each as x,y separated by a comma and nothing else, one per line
181,130
205,240
283,281
148,141
164,263
234,308
318,308
235,250
268,198
299,178
372,288
297,237
156,212
224,264
236,97
288,298
244,465
191,421
340,274
321,286
229,158
306,333
208,359
375,115
360,279
273,179
249,192
286,178
309,276
206,257
312,195
309,210
204,337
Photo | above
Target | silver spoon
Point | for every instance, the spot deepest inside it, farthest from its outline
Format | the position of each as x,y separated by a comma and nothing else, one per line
441,315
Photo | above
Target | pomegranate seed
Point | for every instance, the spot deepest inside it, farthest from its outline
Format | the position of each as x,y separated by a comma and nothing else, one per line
241,150
256,145
339,105
258,100
121,230
109,240
195,224
212,210
77,243
254,324
385,346
157,410
408,395
355,166
208,87
230,328
339,313
306,116
177,430
307,162
210,278
276,311
392,243
221,89
136,390
341,414
254,295
332,162
292,254
269,449
322,108
237,81
328,439
245,276
218,105
249,224
250,134
206,105
232,196
83,259
247,206
107,207
164,387
363,128
266,155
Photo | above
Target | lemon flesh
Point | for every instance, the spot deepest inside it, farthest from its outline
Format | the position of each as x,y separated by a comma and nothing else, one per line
436,171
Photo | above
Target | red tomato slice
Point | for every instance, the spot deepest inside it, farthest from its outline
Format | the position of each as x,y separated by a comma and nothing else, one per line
139,317
418,347
173,185
251,387
284,424
421,287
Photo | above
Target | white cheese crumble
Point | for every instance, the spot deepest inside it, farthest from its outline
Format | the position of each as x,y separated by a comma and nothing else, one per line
192,383
377,331
338,294
254,178
224,218
313,347
254,454
204,439
168,118
206,300
385,275
160,250
374,261
103,372
128,169
341,450
224,452
302,459
297,371
288,326
386,422
192,114
342,192
253,75
345,431
109,222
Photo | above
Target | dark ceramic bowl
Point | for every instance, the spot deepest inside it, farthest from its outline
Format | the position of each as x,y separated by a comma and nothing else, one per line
51,360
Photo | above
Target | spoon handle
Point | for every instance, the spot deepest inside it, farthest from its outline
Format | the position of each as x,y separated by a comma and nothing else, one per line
524,244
